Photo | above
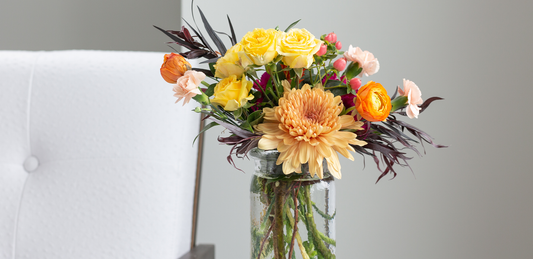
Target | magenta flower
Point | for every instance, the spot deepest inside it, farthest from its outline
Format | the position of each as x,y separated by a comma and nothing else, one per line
261,88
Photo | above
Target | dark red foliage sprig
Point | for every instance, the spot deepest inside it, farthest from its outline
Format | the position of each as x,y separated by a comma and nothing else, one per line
196,49
386,141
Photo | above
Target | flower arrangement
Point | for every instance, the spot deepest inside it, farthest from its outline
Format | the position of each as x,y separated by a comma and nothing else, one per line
302,96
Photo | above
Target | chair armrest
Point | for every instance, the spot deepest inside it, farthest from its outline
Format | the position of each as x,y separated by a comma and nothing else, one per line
200,252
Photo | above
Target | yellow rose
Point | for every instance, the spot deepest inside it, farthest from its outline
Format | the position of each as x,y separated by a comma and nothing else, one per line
232,93
260,45
234,62
298,47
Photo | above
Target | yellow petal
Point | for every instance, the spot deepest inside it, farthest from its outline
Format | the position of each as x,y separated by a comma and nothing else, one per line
334,166
286,85
232,105
288,168
267,144
282,147
268,128
344,152
324,150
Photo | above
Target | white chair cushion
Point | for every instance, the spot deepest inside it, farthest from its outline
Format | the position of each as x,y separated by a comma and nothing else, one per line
96,160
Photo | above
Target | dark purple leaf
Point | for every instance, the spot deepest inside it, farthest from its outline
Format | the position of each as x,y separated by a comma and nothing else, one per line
233,38
175,38
234,129
213,60
205,71
214,37
196,53
200,36
428,102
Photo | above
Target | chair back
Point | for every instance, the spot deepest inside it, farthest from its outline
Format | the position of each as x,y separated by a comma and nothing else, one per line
96,160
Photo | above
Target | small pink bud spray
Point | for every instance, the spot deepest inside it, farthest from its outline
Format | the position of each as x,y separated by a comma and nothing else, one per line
355,83
331,38
340,64
338,45
323,49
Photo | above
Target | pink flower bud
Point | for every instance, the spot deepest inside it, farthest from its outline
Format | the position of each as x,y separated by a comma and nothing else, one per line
331,38
323,49
355,83
338,45
340,64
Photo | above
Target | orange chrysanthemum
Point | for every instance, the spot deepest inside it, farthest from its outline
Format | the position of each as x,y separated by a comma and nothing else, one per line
306,128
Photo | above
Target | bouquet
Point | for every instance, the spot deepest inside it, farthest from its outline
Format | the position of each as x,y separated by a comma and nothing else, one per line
303,98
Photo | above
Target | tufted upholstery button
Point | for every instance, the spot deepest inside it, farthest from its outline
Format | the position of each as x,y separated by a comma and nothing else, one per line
30,164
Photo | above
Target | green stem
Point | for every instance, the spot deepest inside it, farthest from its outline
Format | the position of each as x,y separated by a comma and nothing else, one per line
312,226
277,231
333,87
276,81
263,242
293,223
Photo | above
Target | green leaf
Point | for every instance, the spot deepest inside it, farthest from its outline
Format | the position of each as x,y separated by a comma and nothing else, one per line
338,91
267,215
248,105
398,103
347,111
298,72
255,117
212,67
352,71
237,113
210,90
292,25
336,87
252,73
206,127
246,126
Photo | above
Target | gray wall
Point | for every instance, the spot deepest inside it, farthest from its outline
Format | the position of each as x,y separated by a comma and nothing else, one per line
81,24
472,200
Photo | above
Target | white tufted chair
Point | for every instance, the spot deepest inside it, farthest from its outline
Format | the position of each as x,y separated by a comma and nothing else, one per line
96,160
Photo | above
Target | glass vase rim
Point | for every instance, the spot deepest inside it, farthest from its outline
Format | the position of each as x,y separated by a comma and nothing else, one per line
269,168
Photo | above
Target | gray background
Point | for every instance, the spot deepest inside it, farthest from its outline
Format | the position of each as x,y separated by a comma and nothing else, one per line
472,200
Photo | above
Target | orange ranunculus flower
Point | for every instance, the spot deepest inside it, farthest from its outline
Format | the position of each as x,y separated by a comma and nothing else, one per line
372,102
174,66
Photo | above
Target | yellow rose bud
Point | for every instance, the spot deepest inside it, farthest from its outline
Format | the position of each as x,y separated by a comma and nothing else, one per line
174,66
232,93
298,47
372,102
234,62
260,45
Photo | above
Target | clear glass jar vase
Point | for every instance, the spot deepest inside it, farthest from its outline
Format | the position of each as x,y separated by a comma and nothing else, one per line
292,216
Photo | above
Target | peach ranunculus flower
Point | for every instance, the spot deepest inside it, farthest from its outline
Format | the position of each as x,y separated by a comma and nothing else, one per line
234,62
231,93
372,102
186,87
366,60
298,47
414,98
173,67
306,128
260,45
